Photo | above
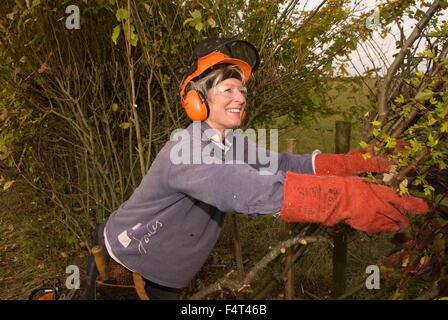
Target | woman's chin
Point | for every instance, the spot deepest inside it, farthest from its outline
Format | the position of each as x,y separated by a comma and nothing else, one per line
234,124
233,121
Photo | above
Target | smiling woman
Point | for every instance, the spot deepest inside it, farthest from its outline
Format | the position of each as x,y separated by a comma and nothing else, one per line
167,228
227,104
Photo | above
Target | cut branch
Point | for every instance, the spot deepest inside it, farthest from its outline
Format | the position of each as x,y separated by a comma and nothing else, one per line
237,286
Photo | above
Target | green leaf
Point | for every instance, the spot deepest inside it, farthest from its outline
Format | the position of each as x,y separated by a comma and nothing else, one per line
376,132
406,111
363,144
415,145
444,127
391,144
420,74
199,26
115,34
418,181
376,123
188,20
196,14
428,189
431,120
70,239
366,156
134,37
431,142
122,14
424,95
125,125
399,99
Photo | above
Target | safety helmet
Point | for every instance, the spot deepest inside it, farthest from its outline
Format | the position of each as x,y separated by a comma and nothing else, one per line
210,53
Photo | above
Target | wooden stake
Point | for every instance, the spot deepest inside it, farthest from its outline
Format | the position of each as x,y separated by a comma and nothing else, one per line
237,246
342,145
101,263
289,258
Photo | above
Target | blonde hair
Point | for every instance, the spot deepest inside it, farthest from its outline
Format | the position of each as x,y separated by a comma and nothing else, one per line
203,84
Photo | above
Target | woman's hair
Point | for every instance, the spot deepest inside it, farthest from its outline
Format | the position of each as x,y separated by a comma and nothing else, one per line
210,78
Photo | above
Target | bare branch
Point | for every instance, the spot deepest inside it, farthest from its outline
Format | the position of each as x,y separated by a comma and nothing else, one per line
386,82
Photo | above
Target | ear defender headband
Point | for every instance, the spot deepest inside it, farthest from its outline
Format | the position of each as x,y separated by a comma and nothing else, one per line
194,102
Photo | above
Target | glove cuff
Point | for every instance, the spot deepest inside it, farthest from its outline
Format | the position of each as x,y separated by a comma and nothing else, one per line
331,165
350,164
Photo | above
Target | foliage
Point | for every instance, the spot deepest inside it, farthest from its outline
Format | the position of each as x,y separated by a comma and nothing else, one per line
412,105
84,112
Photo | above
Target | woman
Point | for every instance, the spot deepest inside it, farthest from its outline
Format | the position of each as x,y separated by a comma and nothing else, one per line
168,227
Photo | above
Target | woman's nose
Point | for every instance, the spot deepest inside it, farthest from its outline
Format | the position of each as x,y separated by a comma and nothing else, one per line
240,97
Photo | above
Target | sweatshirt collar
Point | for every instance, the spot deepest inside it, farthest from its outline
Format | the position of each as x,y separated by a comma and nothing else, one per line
214,136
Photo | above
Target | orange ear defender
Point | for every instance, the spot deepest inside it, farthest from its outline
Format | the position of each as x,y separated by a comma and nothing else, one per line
196,106
243,115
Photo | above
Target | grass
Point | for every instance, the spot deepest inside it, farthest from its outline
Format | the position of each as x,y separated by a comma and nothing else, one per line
33,244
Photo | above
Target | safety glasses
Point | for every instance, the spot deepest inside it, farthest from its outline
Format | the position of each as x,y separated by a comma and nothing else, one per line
230,91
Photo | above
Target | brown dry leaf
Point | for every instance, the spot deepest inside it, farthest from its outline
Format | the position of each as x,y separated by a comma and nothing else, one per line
8,185
42,67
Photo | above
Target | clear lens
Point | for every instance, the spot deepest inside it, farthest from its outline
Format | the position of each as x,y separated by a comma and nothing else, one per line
231,91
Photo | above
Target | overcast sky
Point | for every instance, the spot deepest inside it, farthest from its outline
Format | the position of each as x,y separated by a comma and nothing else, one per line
386,45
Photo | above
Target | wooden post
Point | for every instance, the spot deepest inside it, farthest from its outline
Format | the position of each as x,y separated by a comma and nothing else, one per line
101,264
289,258
342,136
237,246
342,145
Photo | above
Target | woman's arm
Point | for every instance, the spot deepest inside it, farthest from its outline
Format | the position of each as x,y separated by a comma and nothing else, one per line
229,187
273,162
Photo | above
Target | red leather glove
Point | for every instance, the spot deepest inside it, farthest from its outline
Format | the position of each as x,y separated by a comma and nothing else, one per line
353,163
330,200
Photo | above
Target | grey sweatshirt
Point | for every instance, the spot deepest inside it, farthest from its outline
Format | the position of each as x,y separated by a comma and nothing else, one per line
167,228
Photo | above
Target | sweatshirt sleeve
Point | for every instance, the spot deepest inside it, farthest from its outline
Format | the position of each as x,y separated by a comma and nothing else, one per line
229,187
273,162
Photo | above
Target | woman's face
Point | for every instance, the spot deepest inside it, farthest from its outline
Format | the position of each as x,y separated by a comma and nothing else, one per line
226,101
